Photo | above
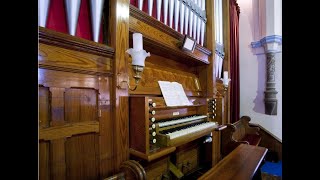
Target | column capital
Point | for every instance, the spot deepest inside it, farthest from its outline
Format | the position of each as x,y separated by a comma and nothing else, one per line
270,43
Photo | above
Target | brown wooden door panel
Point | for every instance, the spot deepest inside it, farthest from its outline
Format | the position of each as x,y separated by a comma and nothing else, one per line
82,157
81,105
44,168
44,107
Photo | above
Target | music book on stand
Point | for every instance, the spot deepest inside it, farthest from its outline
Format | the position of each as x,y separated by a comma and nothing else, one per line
173,94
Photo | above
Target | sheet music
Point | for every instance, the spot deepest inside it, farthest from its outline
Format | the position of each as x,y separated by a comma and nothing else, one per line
173,93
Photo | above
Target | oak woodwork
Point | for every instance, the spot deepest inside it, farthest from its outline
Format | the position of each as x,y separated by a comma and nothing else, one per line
158,169
130,170
82,157
66,41
162,69
242,163
68,130
269,141
239,133
163,44
142,16
73,61
226,44
119,39
187,157
154,155
75,127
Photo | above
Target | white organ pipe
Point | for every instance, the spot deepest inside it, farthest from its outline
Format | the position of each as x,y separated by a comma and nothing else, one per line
72,12
199,24
186,20
191,22
165,12
140,4
159,9
182,13
203,25
176,14
150,7
195,19
43,10
171,5
96,7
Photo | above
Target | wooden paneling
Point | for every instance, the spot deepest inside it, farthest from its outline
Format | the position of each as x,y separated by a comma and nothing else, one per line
119,40
75,108
269,141
82,157
68,130
162,69
44,107
157,169
54,38
67,60
165,45
44,160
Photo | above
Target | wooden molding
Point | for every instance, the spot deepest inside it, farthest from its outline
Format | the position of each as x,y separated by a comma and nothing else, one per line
142,16
55,38
68,130
73,70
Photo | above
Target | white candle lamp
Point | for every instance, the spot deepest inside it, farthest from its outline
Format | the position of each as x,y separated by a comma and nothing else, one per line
138,55
225,80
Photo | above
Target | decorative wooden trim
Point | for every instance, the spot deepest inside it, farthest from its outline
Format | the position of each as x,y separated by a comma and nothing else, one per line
73,70
142,16
51,37
178,53
153,156
264,129
68,130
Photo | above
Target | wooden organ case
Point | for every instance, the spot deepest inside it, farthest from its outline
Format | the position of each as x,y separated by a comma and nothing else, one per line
173,142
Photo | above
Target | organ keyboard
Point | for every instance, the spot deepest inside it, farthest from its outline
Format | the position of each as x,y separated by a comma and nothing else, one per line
155,126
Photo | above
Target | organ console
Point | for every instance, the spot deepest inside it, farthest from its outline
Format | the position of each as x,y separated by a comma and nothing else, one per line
157,130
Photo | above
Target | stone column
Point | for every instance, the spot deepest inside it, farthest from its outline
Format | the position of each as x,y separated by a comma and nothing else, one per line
270,99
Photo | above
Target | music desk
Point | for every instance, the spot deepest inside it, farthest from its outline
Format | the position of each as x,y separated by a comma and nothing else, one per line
240,164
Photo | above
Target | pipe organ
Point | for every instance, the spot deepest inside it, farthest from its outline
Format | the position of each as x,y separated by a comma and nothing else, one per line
91,128
188,17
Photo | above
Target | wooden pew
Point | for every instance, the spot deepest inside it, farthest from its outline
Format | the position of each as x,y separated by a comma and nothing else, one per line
242,164
239,133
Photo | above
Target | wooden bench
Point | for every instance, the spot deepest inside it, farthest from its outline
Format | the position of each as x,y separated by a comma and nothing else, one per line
242,163
239,133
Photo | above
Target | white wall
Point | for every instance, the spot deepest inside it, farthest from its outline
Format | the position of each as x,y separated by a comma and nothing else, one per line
253,70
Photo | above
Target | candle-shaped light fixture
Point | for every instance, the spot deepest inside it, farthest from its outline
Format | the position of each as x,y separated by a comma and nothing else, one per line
138,55
225,79
137,41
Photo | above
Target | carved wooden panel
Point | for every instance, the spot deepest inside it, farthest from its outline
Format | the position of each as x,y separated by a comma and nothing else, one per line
157,169
81,105
161,69
82,157
44,160
44,107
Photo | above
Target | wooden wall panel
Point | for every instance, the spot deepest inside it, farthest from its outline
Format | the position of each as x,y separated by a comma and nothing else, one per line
75,99
270,142
82,157
81,105
44,160
161,69
44,107
58,58
119,38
